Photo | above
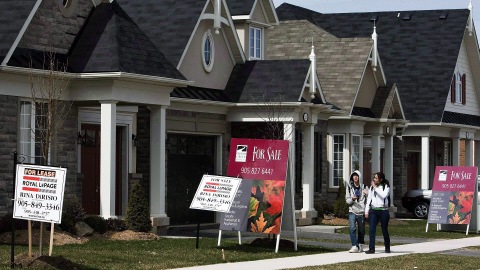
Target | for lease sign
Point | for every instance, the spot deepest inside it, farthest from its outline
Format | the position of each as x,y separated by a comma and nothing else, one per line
39,193
215,193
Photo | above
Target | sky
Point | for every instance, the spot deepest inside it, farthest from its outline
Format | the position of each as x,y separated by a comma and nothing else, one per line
345,6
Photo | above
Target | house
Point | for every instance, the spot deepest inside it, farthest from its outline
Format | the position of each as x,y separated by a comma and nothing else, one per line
432,58
156,90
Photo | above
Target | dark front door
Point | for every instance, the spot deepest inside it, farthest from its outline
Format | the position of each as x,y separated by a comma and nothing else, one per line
90,167
189,158
412,170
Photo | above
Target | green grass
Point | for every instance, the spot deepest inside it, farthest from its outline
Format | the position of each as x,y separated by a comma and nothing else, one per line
413,261
416,229
159,254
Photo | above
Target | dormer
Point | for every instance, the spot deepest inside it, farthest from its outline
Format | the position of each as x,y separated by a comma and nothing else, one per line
252,20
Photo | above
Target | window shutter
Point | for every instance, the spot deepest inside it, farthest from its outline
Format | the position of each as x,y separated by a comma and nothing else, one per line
464,89
452,89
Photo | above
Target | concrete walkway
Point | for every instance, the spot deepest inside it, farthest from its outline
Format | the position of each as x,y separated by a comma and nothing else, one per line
343,256
404,246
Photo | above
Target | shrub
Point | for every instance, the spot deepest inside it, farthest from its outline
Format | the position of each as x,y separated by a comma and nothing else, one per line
116,225
97,223
138,212
341,208
72,212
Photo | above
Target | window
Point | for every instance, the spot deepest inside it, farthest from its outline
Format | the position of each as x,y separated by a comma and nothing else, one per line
255,43
447,157
458,88
355,152
208,51
338,145
30,121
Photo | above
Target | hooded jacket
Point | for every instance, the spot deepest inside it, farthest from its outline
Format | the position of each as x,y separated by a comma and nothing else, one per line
358,206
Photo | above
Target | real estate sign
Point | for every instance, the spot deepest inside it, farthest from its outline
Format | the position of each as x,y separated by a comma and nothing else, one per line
258,206
215,193
452,195
39,193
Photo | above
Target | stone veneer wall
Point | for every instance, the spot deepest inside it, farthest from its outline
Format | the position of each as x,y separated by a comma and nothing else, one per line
8,144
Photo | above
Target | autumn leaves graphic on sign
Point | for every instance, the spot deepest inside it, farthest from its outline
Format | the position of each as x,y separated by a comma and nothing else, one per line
266,203
460,207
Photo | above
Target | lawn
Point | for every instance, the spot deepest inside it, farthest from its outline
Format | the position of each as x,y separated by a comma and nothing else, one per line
180,252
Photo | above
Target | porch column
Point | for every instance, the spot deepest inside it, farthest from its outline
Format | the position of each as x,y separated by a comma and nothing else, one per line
375,153
469,152
307,167
158,136
108,127
477,154
425,170
456,151
388,163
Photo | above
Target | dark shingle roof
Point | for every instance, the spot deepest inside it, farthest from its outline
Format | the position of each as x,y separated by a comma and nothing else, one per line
340,62
240,7
461,119
267,81
29,58
111,41
191,92
14,15
418,54
168,23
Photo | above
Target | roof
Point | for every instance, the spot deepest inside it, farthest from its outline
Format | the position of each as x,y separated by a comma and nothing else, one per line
240,7
340,61
418,49
192,92
111,41
14,15
168,23
267,81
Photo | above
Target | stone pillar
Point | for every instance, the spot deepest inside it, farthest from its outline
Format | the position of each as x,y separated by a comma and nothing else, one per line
108,136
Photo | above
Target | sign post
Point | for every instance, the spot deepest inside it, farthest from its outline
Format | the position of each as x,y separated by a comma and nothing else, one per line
452,196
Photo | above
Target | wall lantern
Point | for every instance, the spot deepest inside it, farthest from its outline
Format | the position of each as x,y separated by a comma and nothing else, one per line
135,140
81,138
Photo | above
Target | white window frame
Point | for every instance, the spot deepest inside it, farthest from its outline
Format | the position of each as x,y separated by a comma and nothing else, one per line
356,152
255,50
27,126
208,36
458,88
337,163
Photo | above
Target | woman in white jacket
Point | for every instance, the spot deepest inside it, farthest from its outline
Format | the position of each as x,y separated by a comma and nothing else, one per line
376,210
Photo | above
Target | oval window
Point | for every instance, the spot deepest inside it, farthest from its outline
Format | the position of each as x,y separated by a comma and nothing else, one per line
208,51
66,7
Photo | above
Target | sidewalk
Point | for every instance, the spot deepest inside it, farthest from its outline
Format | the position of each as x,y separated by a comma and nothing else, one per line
411,246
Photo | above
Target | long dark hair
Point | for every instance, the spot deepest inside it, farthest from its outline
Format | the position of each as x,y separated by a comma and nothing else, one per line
383,181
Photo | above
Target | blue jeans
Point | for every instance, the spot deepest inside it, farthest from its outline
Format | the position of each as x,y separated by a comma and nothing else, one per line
354,221
383,216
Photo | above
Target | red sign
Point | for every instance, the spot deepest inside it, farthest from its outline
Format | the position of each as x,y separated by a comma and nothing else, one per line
258,159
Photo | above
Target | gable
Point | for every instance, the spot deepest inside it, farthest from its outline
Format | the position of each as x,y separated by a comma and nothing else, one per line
472,105
367,89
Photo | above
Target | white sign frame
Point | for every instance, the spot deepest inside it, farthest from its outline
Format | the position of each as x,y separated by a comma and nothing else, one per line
215,193
39,193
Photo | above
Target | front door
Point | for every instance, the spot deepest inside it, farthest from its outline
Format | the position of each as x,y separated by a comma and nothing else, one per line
90,162
412,170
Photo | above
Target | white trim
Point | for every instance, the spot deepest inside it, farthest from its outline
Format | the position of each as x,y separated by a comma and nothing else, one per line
21,33
241,17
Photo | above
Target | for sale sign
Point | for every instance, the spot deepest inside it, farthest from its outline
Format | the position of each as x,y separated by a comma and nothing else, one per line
39,193
452,195
215,193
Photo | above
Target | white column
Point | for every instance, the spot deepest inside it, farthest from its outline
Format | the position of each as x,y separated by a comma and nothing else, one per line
108,132
425,170
376,147
469,152
308,166
477,154
289,135
455,151
158,136
388,162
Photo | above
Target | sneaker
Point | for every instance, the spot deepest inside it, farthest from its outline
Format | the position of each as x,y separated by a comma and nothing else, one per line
387,250
360,247
369,251
354,249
